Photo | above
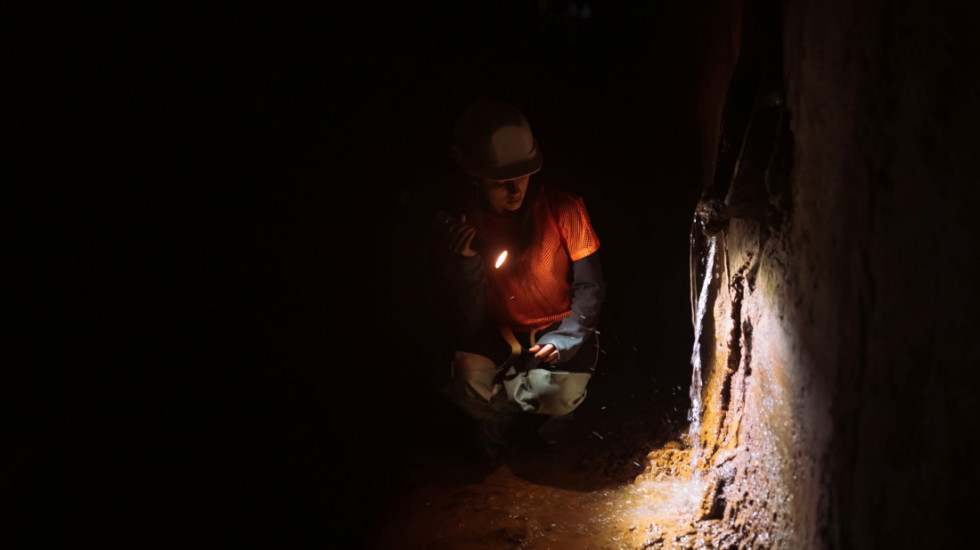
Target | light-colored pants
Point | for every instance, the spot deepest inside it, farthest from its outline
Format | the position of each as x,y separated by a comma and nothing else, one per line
539,391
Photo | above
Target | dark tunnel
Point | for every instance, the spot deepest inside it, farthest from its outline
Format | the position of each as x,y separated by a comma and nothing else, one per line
784,193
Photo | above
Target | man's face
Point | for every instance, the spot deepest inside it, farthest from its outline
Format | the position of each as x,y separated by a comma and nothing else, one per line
504,196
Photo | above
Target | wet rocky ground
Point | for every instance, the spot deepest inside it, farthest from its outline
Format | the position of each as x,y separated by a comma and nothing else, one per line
620,479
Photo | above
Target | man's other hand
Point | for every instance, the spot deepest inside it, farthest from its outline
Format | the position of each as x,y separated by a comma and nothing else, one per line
460,237
547,353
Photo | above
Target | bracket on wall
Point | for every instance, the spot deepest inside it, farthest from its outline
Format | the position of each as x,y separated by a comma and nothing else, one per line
755,149
754,121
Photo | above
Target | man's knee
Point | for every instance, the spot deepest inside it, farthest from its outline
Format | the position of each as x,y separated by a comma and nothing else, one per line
472,385
474,374
552,393
568,399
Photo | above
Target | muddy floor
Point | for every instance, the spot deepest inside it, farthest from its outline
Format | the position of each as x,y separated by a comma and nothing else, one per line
621,479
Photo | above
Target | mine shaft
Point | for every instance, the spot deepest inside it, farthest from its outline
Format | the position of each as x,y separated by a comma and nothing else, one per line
783,196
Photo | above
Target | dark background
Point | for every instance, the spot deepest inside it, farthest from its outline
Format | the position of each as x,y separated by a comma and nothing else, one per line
269,344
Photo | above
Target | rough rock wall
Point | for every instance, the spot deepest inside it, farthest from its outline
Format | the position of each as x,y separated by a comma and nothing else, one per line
758,440
841,352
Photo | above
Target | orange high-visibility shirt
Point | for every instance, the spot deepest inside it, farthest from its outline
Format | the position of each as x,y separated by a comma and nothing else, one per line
536,292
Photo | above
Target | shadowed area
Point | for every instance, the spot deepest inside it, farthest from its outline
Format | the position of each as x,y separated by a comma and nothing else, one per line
281,341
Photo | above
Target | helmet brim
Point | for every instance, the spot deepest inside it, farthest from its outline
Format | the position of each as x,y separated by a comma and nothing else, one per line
507,172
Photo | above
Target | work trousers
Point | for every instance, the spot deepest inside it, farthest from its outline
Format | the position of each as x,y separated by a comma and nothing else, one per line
540,391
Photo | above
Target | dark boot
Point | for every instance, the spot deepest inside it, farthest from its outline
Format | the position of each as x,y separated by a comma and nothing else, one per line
493,438
555,430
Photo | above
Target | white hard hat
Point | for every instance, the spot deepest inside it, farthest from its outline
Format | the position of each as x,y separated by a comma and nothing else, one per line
493,140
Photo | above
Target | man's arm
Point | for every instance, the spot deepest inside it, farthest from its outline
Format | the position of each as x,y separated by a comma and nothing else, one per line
466,275
470,291
588,293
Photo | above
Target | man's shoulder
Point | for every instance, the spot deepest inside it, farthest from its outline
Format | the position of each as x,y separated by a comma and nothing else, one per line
559,198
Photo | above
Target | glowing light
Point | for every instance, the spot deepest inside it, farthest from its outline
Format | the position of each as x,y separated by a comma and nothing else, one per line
501,259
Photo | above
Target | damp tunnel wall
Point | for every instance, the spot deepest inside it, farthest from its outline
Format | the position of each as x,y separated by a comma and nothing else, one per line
839,349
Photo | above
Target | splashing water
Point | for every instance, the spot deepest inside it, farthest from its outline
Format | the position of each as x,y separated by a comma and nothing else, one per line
694,414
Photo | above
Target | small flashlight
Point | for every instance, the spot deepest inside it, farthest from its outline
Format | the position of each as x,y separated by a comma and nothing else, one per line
444,219
500,260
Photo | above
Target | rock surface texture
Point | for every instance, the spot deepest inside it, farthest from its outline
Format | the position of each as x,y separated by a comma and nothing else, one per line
839,349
